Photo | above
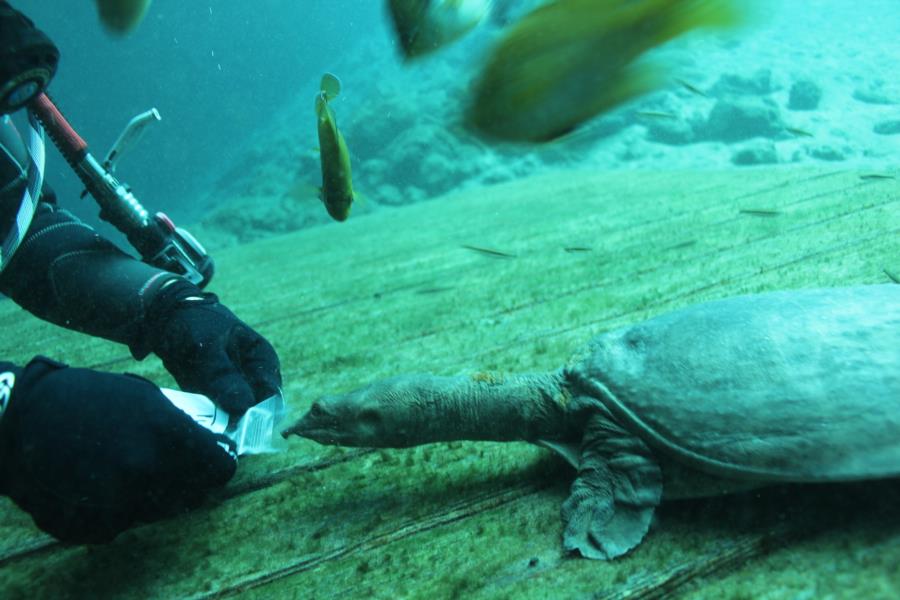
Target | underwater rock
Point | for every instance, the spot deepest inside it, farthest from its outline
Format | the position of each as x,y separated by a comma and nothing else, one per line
416,194
248,218
874,92
423,155
389,195
758,84
374,169
597,129
757,152
804,95
738,119
675,132
826,152
890,127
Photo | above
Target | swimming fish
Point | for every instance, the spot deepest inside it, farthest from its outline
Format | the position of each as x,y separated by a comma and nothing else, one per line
759,212
121,16
423,26
488,252
691,87
655,114
798,132
570,60
337,183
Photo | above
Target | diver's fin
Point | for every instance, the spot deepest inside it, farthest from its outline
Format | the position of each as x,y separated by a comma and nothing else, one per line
330,86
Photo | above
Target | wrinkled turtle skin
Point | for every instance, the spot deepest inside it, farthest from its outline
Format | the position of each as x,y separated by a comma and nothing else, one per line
797,386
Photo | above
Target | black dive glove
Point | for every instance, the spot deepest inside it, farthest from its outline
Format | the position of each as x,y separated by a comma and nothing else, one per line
210,351
89,454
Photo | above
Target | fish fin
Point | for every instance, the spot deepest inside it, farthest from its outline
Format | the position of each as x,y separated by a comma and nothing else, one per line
570,452
330,86
321,103
301,191
690,14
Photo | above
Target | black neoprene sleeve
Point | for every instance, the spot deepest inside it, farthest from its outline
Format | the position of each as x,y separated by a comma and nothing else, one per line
66,273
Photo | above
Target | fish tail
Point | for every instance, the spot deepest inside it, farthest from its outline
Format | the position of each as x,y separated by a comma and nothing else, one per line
692,14
330,86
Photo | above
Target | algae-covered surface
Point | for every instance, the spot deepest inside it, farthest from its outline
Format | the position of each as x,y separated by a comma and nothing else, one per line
413,289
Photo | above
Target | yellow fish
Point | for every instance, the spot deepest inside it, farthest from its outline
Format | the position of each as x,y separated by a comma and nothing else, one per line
570,60
121,16
337,184
423,26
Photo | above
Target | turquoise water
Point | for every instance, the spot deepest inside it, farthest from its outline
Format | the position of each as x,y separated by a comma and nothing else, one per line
801,110
217,71
235,81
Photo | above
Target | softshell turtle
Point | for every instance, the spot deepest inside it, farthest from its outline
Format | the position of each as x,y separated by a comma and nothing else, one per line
799,386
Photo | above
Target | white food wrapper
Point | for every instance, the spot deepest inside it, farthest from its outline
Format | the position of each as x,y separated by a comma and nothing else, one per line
252,434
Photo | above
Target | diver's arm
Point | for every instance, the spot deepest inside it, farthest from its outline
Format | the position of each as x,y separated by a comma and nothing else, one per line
65,273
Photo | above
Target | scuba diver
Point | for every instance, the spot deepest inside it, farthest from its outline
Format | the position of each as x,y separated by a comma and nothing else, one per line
89,454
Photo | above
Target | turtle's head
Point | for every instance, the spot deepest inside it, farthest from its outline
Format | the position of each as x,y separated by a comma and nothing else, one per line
381,415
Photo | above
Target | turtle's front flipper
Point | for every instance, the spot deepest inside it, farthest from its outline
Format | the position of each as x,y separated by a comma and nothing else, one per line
611,503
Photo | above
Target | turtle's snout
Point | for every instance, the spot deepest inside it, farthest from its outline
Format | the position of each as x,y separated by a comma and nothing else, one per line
362,418
318,424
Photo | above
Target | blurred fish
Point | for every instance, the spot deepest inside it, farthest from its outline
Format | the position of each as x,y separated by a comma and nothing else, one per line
505,12
759,212
488,251
691,87
502,13
655,114
570,60
798,132
337,184
121,16
423,26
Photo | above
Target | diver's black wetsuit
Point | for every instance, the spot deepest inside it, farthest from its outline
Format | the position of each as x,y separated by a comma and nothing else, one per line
86,453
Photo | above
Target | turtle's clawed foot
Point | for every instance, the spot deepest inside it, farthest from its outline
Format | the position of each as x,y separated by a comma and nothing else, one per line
618,487
596,528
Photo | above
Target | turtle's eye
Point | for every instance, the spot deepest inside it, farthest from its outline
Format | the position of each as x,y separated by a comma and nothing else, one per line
316,410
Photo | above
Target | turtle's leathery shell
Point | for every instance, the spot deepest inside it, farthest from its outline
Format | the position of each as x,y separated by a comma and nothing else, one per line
787,386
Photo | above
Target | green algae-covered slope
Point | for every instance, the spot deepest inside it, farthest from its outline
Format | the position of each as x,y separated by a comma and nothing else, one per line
512,278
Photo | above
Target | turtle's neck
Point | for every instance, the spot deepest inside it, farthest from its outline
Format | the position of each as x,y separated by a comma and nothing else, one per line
488,407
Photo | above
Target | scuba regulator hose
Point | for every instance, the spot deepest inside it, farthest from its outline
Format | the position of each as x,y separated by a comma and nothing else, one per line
157,239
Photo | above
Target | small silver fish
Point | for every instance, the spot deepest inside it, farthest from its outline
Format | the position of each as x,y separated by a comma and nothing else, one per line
795,131
691,87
